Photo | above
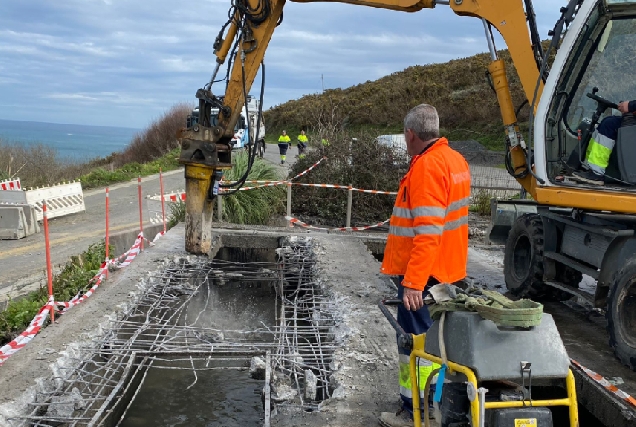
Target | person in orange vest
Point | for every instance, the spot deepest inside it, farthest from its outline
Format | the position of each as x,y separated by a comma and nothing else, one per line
428,238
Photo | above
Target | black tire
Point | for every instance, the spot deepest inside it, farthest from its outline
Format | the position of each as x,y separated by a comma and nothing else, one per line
523,258
621,314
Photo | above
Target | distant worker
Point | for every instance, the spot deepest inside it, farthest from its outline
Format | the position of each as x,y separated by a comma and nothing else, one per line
301,142
284,142
428,238
601,146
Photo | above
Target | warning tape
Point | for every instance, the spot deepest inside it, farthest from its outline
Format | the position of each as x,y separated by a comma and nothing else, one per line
606,384
298,222
38,321
307,170
23,339
10,184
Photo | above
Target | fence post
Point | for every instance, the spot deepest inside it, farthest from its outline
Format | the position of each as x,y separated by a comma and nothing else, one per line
289,197
349,203
219,207
141,215
49,270
107,231
163,205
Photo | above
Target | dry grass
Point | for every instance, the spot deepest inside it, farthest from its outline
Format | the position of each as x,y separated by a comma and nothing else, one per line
158,139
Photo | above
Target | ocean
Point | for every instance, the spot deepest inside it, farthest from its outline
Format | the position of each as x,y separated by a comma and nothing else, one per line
80,142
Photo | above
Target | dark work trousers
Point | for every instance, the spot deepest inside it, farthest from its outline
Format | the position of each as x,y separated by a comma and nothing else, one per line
413,322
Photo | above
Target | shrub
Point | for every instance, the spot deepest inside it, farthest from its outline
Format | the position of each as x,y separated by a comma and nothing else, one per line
158,139
254,206
363,163
481,203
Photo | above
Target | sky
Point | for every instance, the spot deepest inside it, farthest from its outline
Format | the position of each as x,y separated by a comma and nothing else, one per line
126,62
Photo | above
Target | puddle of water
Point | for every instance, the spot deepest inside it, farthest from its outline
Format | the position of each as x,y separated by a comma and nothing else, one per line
225,398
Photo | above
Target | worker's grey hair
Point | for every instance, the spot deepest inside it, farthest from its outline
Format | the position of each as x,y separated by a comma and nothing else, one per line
424,121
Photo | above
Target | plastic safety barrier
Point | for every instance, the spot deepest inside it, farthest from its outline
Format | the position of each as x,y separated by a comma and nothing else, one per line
10,184
62,199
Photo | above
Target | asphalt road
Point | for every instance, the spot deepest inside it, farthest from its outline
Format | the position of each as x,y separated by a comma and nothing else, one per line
23,262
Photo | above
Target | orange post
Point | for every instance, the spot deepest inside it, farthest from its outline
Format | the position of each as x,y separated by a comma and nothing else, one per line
141,216
163,206
107,231
49,270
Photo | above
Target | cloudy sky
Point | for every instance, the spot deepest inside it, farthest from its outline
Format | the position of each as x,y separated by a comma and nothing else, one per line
125,62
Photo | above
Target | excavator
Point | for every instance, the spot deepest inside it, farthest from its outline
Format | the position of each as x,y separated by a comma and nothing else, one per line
571,82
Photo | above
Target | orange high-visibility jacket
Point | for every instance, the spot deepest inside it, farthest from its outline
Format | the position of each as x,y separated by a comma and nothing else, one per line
428,235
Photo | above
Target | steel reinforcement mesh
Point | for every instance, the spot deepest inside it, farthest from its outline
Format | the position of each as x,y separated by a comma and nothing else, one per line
101,376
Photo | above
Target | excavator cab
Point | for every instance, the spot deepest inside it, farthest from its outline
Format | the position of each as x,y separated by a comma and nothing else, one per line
594,77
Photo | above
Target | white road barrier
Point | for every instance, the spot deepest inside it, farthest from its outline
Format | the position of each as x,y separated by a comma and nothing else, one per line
153,204
62,199
10,184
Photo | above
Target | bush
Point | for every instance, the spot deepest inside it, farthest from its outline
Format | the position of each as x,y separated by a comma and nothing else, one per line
74,277
158,139
364,164
481,203
253,206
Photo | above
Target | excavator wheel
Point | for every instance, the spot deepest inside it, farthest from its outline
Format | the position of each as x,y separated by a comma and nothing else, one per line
621,314
523,260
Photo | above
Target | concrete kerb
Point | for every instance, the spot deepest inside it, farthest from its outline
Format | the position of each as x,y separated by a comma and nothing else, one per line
123,240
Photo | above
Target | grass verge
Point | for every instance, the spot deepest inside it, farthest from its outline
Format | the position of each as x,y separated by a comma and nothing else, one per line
101,177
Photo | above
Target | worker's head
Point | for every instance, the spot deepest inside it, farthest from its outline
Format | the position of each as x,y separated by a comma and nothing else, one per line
302,132
284,132
421,127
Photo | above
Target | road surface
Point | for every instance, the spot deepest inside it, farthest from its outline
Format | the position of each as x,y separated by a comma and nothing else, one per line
23,262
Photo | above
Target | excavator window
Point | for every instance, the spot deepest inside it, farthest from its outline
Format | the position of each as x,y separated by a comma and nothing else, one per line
601,62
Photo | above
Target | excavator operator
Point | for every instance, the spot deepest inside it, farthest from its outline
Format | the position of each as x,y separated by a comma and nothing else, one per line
601,145
428,237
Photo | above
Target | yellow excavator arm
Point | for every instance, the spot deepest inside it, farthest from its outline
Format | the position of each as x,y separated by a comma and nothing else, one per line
245,38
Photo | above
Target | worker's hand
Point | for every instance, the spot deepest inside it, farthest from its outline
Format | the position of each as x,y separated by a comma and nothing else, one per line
412,299
623,107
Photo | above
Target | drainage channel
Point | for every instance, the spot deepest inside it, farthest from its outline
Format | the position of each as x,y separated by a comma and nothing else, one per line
208,342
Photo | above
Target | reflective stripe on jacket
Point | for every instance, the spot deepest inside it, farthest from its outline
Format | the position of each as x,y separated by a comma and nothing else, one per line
428,234
284,138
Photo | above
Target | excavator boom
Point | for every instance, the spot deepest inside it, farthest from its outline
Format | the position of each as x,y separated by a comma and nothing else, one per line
252,24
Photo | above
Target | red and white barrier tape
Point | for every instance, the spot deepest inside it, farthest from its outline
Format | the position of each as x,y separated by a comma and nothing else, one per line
12,184
23,339
298,222
606,384
305,172
36,324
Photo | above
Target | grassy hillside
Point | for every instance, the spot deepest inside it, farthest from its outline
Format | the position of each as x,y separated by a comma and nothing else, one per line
459,90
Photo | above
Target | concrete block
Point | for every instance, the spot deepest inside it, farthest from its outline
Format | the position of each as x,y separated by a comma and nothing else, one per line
13,223
29,213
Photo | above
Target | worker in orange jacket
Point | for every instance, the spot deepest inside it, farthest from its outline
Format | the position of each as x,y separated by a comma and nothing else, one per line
428,237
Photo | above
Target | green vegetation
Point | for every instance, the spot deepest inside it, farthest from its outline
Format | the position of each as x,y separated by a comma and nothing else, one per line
101,177
177,213
73,278
459,89
254,206
481,203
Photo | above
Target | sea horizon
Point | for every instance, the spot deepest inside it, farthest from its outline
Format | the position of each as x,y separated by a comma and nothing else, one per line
71,141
